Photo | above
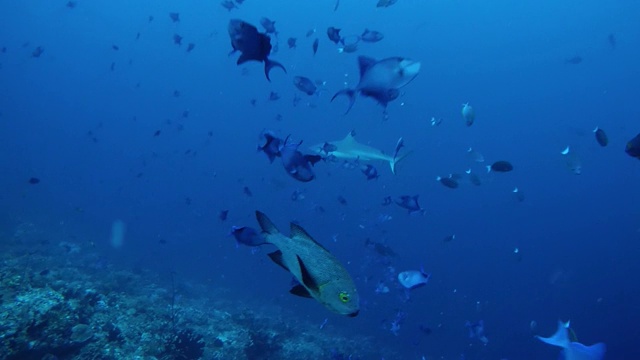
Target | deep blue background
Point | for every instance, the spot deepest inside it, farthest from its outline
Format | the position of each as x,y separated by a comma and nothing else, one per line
578,235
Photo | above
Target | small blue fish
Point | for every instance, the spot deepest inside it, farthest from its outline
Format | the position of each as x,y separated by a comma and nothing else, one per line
476,330
412,279
410,203
371,36
370,171
247,236
305,85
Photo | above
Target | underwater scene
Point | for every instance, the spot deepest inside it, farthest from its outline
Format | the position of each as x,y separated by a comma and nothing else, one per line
329,179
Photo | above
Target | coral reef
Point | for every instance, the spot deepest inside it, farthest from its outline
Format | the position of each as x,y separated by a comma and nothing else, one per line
63,301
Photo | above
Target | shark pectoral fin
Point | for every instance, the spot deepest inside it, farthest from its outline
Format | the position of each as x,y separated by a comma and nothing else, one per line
350,93
265,223
301,291
276,257
559,338
270,64
307,279
578,351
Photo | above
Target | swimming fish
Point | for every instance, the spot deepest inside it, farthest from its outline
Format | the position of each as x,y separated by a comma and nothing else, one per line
381,79
270,145
412,279
252,45
334,34
407,202
247,235
371,36
633,147
601,137
298,165
448,181
305,85
319,274
468,114
500,166
349,149
573,350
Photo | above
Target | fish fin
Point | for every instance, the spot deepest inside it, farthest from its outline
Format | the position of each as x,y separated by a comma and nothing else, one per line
276,257
559,338
307,279
265,223
593,352
313,159
297,232
351,94
270,64
365,63
243,59
396,159
301,291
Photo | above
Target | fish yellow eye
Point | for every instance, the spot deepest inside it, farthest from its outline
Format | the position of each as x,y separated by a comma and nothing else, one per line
344,297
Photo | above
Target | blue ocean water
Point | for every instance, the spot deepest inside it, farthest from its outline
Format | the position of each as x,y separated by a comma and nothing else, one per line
120,123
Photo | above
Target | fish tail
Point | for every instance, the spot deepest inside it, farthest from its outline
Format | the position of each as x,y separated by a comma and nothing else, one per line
266,224
270,64
350,93
397,159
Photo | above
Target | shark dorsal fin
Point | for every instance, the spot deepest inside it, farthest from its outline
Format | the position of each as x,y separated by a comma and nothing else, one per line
266,224
297,232
365,63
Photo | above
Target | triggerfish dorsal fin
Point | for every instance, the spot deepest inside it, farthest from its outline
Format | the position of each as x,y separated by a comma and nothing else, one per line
297,232
266,224
559,338
307,279
276,257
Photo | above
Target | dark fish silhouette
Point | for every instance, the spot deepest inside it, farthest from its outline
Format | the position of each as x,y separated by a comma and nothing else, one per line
252,45
633,147
315,46
270,145
292,43
229,5
501,166
305,85
34,181
334,34
175,17
298,165
371,36
269,26
601,137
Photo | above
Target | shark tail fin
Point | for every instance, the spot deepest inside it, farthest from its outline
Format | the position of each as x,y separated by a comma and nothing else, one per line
270,64
396,159
350,93
559,338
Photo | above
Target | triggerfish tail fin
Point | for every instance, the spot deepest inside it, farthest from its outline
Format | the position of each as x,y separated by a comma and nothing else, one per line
351,94
583,352
265,223
270,64
559,338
